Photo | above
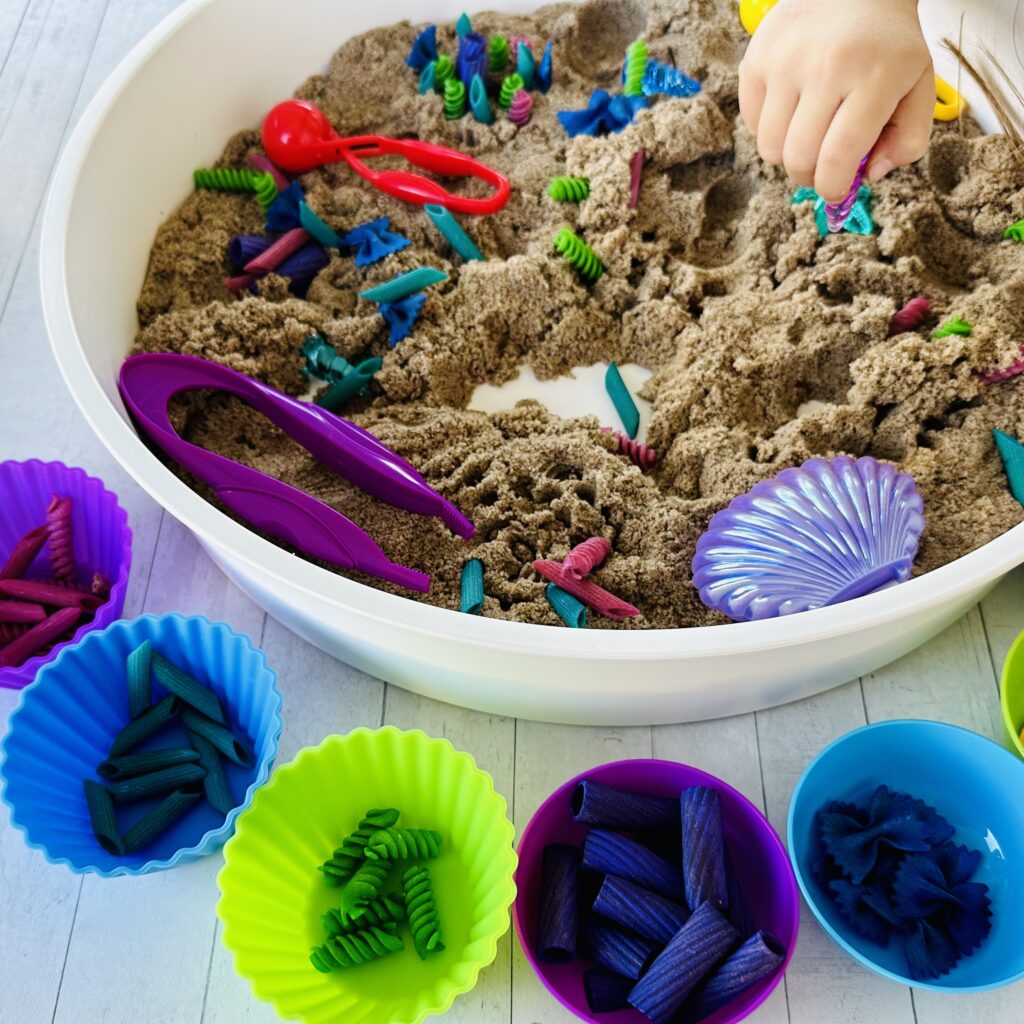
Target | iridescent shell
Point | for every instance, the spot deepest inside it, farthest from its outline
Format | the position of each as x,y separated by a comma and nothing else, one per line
828,531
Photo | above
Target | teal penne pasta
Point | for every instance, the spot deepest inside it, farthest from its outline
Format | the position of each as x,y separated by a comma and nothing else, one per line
144,726
215,783
223,739
103,817
139,668
154,824
182,776
127,767
192,692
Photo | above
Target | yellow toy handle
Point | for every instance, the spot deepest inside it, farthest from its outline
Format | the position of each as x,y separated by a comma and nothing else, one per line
752,11
949,104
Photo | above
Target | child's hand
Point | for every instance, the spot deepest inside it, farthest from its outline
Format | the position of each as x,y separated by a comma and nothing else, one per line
824,81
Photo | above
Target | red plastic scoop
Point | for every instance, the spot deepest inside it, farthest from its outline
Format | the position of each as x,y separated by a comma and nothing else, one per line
298,137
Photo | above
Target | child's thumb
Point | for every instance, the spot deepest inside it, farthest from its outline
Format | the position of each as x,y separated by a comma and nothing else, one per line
905,138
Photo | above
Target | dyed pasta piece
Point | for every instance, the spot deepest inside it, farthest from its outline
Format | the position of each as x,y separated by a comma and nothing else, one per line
424,49
374,240
51,594
426,83
463,26
145,725
618,951
387,912
352,851
139,672
41,635
638,910
471,60
278,251
444,68
223,739
545,72
215,782
583,559
479,103
594,597
526,65
317,228
622,400
60,539
191,691
403,844
365,885
633,72
23,554
705,938
910,316
498,53
351,950
606,991
607,807
401,316
955,325
557,920
154,824
454,99
262,163
22,612
703,847
404,285
579,255
566,189
182,776
667,80
452,230
608,853
759,957
509,87
471,601
636,170
739,911
569,609
421,907
103,817
130,765
521,108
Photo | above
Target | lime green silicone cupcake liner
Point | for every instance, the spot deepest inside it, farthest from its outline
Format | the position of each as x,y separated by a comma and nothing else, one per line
1011,691
272,895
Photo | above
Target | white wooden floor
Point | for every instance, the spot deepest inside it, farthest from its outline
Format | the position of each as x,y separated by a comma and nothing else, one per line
77,950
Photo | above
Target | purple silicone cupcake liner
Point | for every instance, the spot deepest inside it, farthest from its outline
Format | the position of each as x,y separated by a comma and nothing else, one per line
102,541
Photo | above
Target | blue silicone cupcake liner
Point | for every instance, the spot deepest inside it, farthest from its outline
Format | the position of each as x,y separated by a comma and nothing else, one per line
102,541
63,727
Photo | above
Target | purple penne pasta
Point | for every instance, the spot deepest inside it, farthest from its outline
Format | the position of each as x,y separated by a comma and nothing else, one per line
758,957
643,912
243,249
608,807
21,611
559,902
703,847
304,264
606,991
739,911
677,970
608,853
23,554
617,950
274,256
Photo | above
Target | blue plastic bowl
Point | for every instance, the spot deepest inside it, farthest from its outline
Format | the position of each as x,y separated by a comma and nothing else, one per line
66,720
974,783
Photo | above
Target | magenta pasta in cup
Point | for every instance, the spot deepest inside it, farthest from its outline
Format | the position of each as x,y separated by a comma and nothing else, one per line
650,891
65,551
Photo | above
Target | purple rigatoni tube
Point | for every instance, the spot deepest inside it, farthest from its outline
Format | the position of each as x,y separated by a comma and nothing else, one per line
557,920
700,811
305,263
643,912
739,911
608,853
677,970
606,991
608,807
617,950
758,957
242,249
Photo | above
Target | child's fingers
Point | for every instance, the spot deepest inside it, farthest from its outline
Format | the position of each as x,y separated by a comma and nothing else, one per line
776,114
854,130
905,138
751,98
814,113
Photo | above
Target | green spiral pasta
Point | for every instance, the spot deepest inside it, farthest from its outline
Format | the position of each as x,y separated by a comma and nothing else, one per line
444,68
636,64
352,950
403,843
454,99
497,53
572,248
569,190
266,190
421,907
352,852
237,179
384,913
365,885
509,87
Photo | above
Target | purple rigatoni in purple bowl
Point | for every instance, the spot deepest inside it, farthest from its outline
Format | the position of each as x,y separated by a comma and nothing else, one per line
758,858
101,536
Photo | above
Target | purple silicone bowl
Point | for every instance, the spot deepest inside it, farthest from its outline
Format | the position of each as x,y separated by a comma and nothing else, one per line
759,858
103,541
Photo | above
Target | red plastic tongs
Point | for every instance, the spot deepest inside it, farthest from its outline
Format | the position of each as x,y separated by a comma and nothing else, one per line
298,138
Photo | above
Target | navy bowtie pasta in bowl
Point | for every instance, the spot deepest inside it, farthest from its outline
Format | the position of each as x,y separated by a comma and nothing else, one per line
137,749
650,891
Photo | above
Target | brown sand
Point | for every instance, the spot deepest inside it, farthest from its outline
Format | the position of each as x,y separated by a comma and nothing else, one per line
715,282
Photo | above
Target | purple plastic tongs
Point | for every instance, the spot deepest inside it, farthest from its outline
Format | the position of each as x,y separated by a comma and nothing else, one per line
147,384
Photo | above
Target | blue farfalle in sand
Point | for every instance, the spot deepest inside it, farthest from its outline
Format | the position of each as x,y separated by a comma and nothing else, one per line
853,837
604,113
373,241
283,212
937,887
402,315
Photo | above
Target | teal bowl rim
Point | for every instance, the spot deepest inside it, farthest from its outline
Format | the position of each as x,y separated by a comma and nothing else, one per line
857,955
212,840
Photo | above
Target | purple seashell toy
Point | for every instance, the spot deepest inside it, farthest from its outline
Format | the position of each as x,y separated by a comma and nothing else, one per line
826,532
